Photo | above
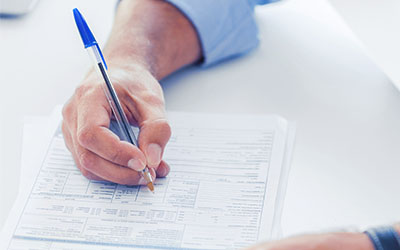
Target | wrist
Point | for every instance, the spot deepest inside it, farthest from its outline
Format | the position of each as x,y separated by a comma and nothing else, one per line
364,242
129,67
131,79
136,78
121,70
128,58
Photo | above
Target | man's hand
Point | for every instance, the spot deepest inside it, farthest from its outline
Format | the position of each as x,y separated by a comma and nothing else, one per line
150,39
331,241
99,153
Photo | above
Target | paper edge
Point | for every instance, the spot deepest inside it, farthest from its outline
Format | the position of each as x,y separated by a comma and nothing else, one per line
52,122
283,181
9,225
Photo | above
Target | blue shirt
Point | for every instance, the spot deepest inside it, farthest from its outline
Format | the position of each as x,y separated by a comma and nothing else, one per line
226,28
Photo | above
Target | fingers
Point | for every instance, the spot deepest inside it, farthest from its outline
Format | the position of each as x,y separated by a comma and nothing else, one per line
147,108
153,137
163,169
98,152
69,143
93,134
96,168
108,170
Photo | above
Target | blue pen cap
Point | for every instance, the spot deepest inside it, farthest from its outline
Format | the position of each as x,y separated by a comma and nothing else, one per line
86,35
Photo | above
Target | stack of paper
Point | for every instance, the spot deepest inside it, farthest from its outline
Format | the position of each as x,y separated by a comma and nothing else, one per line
225,190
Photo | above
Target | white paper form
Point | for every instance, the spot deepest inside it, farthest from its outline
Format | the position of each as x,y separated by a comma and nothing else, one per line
221,193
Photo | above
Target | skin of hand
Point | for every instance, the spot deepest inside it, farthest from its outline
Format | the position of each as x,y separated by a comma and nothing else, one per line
150,39
330,241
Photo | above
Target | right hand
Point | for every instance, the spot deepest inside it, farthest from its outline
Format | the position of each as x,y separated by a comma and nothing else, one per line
99,153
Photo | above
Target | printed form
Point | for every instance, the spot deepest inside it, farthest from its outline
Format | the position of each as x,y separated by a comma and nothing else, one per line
224,191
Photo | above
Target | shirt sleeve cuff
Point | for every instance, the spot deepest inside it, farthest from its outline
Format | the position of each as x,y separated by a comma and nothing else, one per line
226,28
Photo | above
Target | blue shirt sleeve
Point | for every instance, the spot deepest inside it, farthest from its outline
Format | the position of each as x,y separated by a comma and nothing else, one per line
226,28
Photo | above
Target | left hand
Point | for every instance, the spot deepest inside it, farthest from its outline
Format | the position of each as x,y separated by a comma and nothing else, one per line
330,241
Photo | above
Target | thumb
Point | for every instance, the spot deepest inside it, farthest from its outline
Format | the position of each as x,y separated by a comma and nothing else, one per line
153,137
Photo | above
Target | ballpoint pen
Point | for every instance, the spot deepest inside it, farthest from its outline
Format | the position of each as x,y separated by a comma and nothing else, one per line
94,51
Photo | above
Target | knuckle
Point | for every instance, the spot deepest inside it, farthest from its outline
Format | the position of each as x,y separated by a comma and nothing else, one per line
81,90
87,161
66,136
115,155
87,174
153,99
122,90
86,136
64,128
159,126
85,90
164,128
67,110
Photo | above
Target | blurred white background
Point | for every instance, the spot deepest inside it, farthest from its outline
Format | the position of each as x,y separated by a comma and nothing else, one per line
34,80
35,71
377,24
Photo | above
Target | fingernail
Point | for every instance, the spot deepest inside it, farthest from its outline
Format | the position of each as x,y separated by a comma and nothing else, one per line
153,155
136,164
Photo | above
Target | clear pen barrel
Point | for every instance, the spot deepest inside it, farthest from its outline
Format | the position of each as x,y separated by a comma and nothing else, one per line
101,68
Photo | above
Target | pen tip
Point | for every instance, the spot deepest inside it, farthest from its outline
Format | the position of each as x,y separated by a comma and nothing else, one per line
150,186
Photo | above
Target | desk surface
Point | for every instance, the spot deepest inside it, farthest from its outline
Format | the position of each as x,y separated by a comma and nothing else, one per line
376,23
309,68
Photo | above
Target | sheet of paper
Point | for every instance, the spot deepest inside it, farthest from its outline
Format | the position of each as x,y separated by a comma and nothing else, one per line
37,134
222,193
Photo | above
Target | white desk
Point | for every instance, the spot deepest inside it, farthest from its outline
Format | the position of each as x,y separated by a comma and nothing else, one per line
308,68
377,24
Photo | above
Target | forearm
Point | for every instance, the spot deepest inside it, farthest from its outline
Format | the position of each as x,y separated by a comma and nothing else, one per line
152,34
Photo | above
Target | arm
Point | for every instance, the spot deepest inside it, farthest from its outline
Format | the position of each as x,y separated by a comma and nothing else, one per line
149,40
154,34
